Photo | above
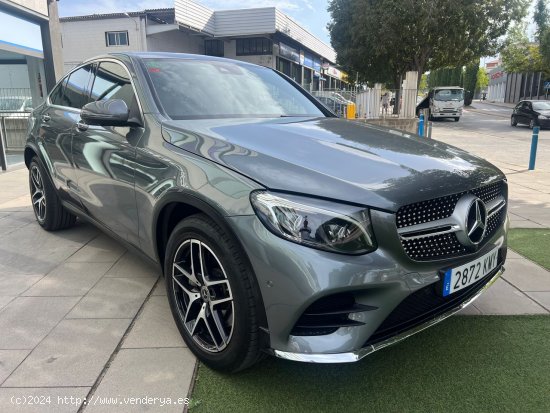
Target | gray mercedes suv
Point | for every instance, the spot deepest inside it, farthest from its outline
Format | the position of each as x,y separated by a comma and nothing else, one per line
279,228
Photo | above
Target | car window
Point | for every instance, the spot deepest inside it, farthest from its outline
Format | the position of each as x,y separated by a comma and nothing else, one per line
112,82
57,95
76,89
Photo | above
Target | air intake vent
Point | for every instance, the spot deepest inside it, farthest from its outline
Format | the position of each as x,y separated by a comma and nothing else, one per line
328,314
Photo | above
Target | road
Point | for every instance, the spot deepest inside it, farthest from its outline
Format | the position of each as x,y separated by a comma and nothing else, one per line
485,131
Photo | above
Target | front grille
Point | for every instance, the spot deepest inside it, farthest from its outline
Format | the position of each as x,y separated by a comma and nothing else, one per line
424,305
444,246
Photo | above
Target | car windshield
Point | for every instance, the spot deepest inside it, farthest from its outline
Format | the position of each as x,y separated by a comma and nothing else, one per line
541,105
449,94
198,89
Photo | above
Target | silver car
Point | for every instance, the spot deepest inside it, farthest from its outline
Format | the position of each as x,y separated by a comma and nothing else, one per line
279,228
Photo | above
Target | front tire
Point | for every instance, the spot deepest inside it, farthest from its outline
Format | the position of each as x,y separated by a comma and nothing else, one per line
513,121
48,210
457,119
213,295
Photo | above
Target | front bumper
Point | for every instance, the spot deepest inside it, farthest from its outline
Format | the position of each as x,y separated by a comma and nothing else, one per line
365,351
446,114
292,277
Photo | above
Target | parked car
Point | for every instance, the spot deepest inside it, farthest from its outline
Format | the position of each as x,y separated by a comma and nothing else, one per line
532,113
279,228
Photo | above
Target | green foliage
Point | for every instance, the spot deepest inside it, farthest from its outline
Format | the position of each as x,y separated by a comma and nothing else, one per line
482,79
470,79
447,76
540,17
381,39
518,54
423,85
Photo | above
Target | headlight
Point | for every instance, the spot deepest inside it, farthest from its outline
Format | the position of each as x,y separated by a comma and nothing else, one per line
318,224
543,117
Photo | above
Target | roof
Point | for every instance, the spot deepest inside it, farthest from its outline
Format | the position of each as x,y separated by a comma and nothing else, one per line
164,15
170,55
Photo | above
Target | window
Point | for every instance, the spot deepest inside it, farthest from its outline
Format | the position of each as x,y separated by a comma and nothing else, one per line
213,47
191,89
116,38
56,97
112,82
75,93
254,46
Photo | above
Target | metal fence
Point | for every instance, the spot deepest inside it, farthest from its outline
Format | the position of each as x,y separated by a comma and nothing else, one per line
376,103
13,134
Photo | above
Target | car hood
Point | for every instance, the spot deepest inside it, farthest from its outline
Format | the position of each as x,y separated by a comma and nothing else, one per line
334,158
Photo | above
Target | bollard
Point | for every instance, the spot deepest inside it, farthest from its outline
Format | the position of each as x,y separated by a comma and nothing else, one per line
429,134
534,144
421,125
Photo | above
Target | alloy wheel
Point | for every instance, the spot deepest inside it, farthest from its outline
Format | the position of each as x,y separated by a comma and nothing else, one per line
203,295
38,196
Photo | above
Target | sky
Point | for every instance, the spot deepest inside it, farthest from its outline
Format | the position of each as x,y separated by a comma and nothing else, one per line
310,14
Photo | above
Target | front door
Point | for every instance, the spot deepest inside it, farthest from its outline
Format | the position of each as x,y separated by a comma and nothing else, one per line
104,157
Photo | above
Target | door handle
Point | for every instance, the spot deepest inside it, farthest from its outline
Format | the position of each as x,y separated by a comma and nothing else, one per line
81,126
46,118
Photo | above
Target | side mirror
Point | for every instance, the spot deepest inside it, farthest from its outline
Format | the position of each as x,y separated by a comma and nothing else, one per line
111,112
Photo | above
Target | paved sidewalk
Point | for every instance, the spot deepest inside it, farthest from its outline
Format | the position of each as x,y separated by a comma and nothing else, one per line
80,316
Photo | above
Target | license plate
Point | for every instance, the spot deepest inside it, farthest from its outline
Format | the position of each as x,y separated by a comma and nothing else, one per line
467,274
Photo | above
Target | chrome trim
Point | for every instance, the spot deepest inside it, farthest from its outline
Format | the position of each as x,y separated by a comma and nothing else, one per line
495,206
365,351
451,224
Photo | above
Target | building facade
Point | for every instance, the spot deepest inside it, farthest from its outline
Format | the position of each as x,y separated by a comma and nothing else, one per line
30,64
263,36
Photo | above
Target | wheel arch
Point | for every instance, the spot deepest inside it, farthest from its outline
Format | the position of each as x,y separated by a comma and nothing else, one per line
177,206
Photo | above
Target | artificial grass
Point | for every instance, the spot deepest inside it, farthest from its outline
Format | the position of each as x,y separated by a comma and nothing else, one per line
465,364
532,243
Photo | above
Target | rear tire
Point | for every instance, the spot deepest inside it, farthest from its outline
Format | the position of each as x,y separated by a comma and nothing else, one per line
213,295
513,121
48,210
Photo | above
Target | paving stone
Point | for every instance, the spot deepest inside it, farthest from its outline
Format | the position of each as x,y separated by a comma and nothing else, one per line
55,400
100,249
16,220
543,298
470,310
164,373
73,354
527,276
160,288
501,298
512,255
4,300
69,279
9,360
132,266
33,250
14,283
114,298
155,327
27,320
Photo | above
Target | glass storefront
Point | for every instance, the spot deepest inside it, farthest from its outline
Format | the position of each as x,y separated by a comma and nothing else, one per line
22,81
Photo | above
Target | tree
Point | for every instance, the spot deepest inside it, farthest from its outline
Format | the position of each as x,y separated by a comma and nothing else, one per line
540,17
382,39
518,54
470,79
482,79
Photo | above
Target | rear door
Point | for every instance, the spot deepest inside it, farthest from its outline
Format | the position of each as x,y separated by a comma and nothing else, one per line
57,122
105,156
